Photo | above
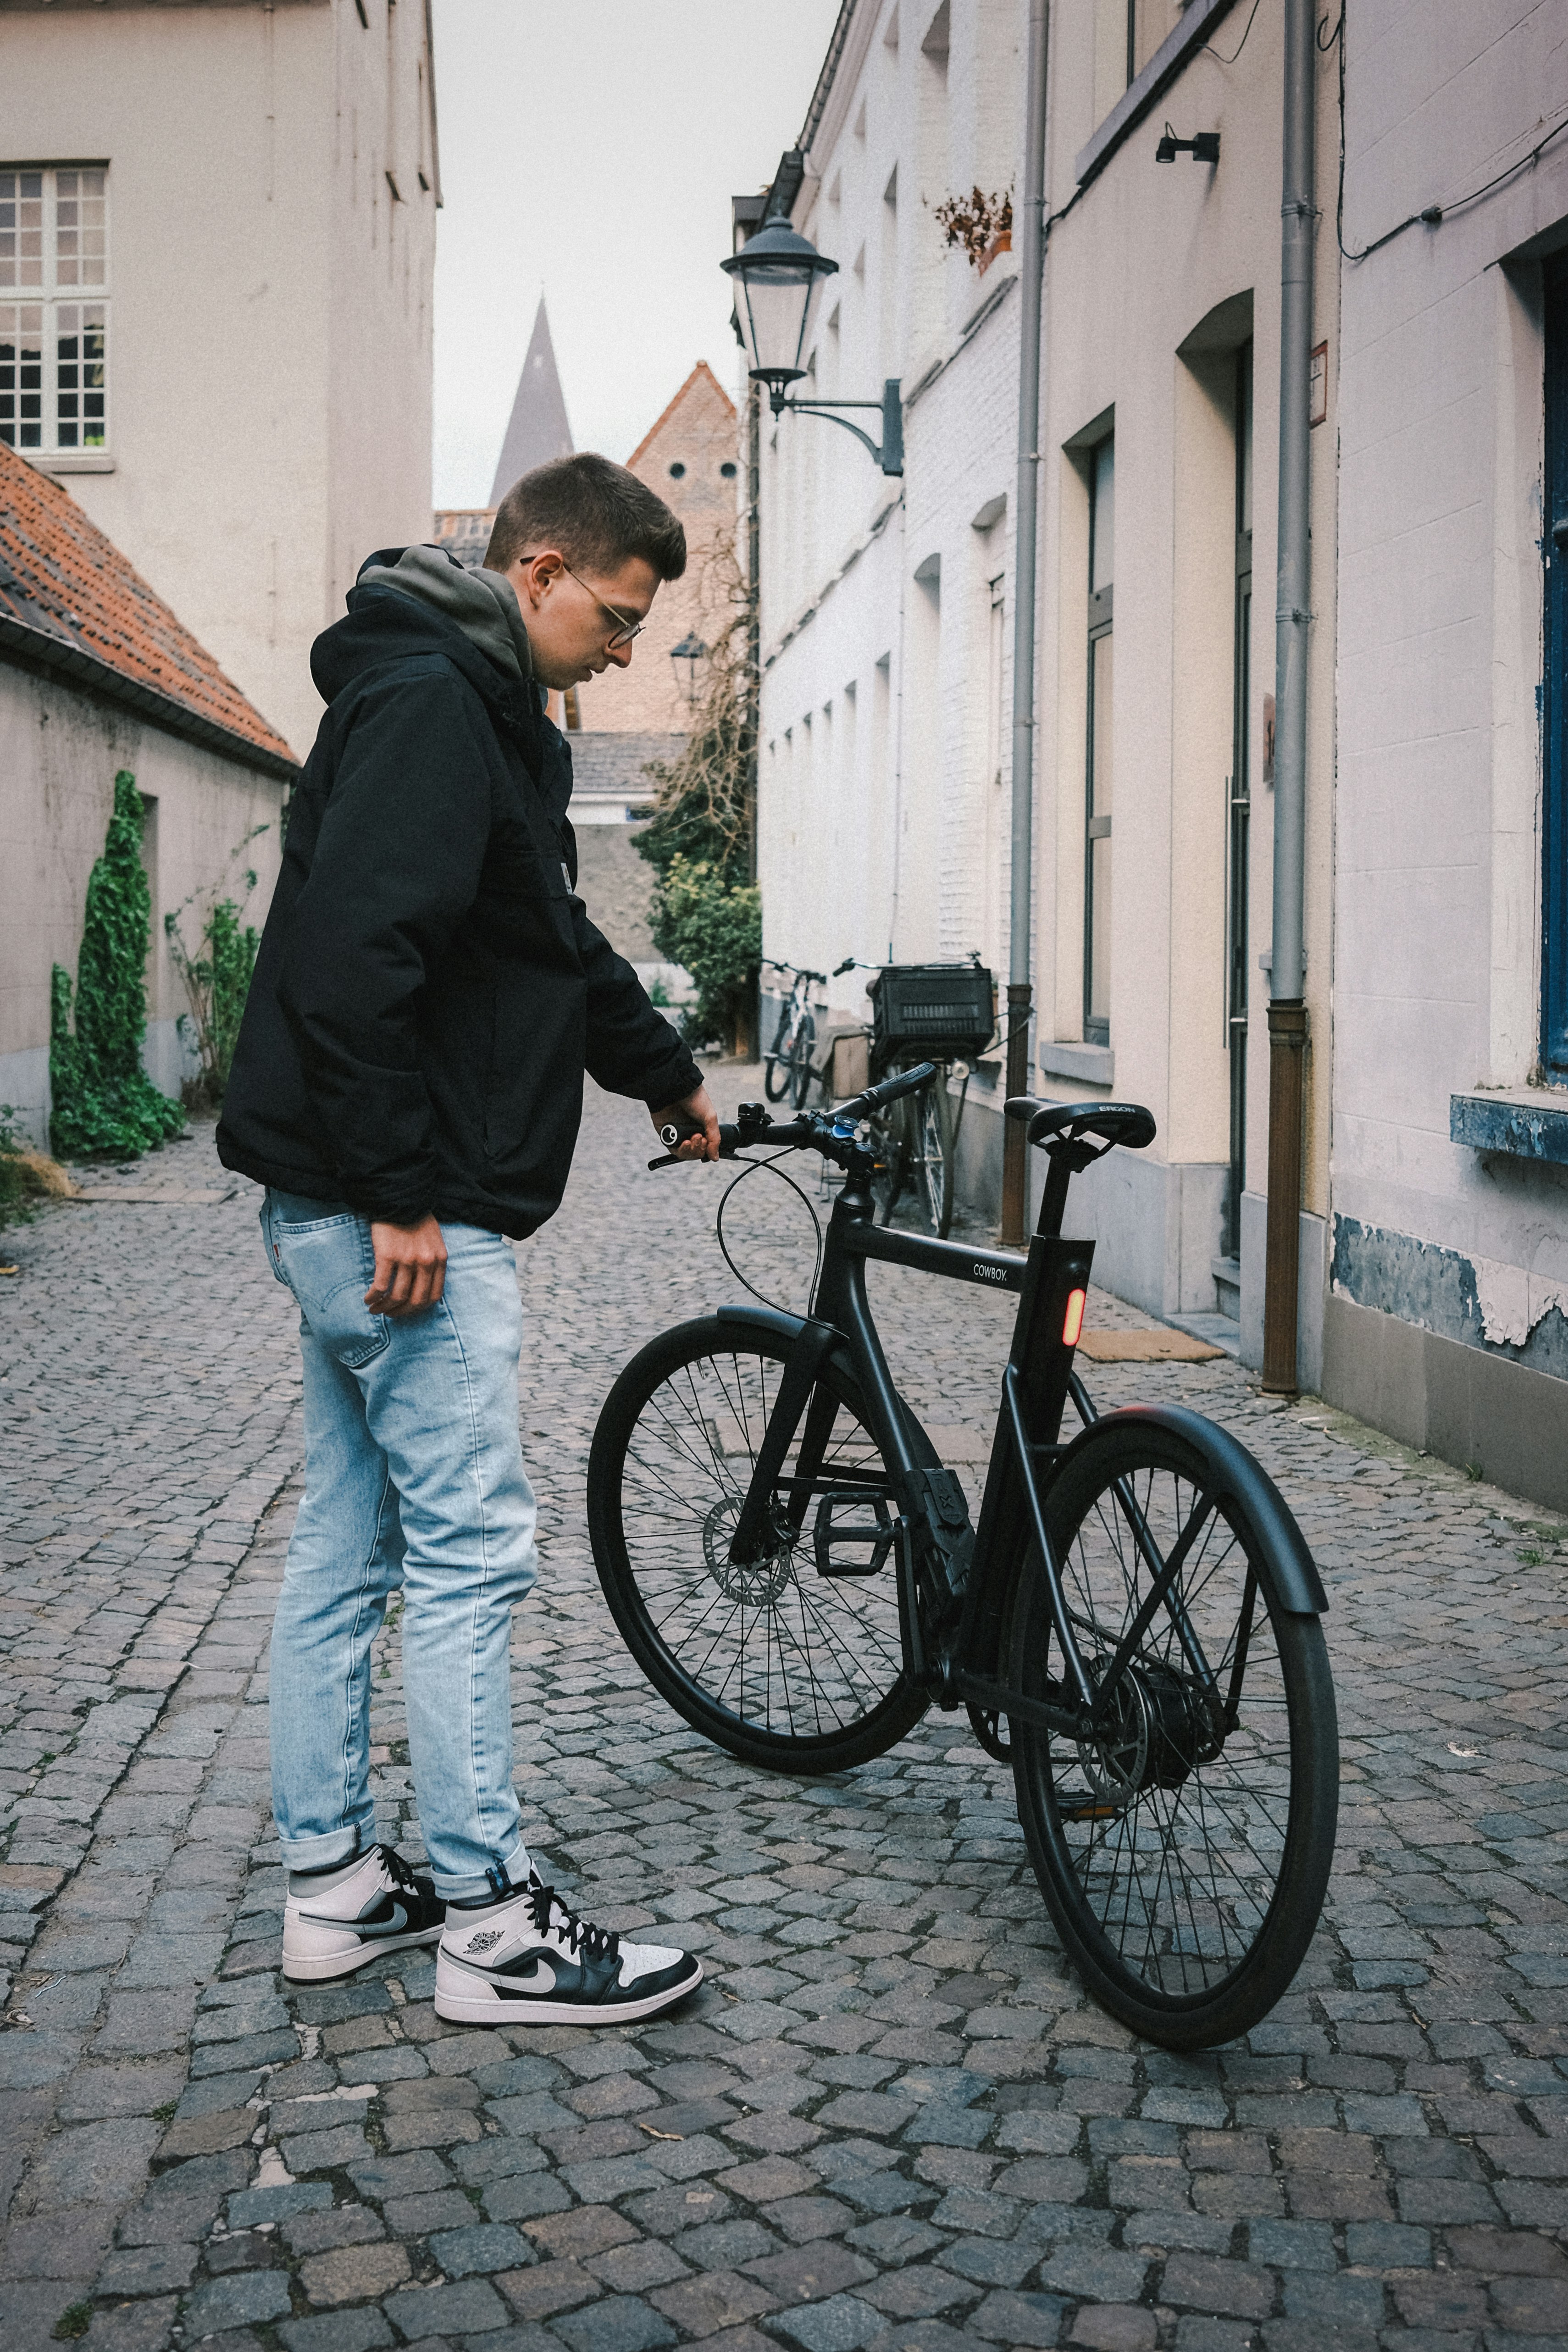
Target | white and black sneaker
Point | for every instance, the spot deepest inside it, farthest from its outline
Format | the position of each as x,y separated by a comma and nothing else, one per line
336,1920
528,1959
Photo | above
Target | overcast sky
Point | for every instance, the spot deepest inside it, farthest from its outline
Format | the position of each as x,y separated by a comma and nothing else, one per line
590,153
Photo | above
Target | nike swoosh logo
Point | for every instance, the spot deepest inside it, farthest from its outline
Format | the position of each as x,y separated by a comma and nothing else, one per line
538,1977
397,1924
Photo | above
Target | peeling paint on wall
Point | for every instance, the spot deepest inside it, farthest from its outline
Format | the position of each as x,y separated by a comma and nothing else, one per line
1480,1302
1513,1301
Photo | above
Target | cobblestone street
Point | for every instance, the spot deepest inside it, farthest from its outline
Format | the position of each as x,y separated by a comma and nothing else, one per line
889,2118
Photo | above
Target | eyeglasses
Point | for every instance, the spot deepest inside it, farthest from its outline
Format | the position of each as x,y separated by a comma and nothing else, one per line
624,630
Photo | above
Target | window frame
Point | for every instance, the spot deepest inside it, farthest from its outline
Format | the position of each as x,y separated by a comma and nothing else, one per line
1553,1008
1096,825
63,376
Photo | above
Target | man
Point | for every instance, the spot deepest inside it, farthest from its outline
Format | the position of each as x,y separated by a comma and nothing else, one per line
408,1085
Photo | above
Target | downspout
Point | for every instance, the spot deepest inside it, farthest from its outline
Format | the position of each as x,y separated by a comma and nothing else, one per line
1287,978
1031,268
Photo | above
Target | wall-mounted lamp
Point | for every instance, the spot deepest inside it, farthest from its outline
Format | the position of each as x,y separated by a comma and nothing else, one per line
778,276
688,658
1204,148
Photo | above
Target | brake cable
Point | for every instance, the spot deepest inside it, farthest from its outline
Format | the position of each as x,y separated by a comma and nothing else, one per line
751,1169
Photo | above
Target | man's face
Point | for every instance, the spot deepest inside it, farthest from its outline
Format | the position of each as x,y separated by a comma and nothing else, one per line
571,616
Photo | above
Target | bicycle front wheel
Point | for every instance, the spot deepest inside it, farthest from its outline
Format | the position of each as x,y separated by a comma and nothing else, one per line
795,1661
1184,1854
933,1165
778,1068
801,1070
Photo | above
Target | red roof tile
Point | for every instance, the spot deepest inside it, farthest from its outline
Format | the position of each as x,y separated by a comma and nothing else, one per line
61,577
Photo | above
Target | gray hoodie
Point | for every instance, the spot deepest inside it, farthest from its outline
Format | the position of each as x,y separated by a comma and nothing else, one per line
483,605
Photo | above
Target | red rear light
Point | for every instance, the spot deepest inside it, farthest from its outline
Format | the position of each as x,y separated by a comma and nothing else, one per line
1072,1321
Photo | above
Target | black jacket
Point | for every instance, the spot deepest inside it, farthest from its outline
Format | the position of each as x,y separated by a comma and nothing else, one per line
429,989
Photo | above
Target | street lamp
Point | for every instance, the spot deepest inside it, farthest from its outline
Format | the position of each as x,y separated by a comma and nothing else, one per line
686,657
779,276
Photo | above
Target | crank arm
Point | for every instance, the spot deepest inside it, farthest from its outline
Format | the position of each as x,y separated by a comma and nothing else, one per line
1071,1721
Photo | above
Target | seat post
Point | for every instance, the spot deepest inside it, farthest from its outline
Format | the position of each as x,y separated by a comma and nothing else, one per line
1054,1205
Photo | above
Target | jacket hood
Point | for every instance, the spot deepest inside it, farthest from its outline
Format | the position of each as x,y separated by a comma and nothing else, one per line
395,613
483,604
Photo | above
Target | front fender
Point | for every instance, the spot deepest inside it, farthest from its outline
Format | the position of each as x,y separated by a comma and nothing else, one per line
1234,1473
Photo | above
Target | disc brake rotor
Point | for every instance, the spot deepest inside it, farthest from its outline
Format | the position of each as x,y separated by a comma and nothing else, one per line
758,1583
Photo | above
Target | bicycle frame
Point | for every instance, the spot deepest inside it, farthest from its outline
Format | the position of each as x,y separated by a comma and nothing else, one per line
971,1569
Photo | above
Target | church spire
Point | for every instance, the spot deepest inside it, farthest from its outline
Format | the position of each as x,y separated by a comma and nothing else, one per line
538,430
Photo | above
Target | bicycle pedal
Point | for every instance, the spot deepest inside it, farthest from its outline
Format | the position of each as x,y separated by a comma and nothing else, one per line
881,1533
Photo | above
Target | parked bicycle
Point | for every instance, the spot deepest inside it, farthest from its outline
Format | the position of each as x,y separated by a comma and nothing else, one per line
796,1571
937,1014
787,1069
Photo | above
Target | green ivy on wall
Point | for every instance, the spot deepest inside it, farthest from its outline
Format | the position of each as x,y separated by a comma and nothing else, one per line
217,980
105,1105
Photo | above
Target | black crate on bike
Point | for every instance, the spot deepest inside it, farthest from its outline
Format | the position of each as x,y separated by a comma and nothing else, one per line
937,1008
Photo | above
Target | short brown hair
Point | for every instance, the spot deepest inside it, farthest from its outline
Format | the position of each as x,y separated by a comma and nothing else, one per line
594,511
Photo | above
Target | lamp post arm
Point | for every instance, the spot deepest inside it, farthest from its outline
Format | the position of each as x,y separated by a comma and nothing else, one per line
820,409
889,454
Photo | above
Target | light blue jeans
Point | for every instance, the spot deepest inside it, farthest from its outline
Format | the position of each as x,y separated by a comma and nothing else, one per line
414,1475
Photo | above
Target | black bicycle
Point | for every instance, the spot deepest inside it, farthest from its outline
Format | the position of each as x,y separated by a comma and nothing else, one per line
796,1574
787,1069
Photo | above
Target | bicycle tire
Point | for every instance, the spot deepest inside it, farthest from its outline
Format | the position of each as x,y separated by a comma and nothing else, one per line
1185,1872
800,1069
825,1684
888,1132
931,1121
776,1069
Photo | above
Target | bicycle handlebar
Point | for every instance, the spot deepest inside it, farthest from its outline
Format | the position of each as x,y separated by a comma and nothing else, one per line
877,1098
798,969
827,1135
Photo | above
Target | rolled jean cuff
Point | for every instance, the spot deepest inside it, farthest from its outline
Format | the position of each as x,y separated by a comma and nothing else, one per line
469,1890
324,1851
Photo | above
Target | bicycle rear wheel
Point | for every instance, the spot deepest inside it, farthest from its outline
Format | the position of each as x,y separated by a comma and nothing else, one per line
784,1665
1183,1861
890,1131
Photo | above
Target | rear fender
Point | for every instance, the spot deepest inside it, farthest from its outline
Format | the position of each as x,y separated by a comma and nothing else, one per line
1234,1474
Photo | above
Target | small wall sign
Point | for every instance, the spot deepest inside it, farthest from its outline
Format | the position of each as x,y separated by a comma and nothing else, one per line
1318,387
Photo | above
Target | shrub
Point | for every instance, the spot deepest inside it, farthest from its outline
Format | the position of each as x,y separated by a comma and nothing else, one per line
713,928
706,914
105,1105
218,982
14,1185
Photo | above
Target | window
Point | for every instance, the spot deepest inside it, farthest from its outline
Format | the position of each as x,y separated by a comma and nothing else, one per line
1127,35
1554,699
54,318
1239,811
1097,827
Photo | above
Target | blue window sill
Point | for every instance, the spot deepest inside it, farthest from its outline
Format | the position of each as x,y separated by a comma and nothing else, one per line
1532,1124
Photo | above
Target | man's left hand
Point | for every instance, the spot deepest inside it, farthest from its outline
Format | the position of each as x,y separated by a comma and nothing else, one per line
696,1110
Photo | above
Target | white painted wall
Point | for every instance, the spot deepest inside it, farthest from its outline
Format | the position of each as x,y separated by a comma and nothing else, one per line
1439,873
269,301
59,751
878,830
1145,256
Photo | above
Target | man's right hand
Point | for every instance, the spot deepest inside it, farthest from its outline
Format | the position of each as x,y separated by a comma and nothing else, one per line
411,1268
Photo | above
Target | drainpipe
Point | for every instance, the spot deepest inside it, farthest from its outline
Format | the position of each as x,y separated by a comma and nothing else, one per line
1287,978
1032,267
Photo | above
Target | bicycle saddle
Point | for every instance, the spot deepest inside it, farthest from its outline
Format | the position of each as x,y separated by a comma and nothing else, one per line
1127,1123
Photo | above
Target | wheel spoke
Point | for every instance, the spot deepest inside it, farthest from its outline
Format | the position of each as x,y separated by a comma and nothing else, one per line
1173,1852
771,1643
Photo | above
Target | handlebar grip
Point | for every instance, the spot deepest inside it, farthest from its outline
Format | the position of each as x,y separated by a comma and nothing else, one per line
675,1132
905,1082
